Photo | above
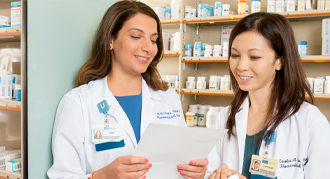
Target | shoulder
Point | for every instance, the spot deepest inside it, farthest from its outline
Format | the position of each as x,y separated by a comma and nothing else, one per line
309,114
169,95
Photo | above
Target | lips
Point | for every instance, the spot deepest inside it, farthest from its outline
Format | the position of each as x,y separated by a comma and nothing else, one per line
142,58
244,77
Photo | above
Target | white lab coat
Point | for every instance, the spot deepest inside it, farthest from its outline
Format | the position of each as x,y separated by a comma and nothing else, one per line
74,152
305,135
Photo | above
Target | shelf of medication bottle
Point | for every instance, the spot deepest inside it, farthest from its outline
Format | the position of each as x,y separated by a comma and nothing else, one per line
13,175
292,16
204,59
171,54
197,126
170,22
10,33
207,92
315,58
10,105
318,96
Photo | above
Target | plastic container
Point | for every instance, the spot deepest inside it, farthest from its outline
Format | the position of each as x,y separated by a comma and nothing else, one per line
301,5
168,13
271,6
217,51
190,83
217,9
319,85
201,83
187,50
187,13
225,49
175,9
214,83
193,12
225,83
208,51
255,6
280,5
311,83
190,118
241,7
320,4
290,5
202,111
194,108
302,48
16,14
197,49
327,85
211,117
225,9
327,4
177,83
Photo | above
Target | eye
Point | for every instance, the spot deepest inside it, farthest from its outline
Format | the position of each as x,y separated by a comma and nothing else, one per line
153,41
255,57
135,37
234,56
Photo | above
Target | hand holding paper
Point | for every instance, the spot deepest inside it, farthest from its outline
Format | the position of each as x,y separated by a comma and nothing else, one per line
167,146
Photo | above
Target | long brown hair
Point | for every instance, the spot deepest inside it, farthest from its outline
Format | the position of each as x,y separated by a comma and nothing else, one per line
99,63
289,85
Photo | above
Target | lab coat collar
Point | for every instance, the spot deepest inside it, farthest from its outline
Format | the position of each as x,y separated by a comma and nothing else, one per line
241,119
148,97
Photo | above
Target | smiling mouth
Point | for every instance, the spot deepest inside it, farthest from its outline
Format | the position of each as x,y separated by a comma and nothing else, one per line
244,77
141,58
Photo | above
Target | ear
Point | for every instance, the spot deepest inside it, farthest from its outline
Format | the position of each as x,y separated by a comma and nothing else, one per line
111,44
279,63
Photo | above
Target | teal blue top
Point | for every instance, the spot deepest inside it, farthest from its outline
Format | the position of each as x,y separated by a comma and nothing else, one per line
252,146
132,106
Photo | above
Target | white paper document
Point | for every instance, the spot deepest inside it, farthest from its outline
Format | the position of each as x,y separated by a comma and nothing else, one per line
167,146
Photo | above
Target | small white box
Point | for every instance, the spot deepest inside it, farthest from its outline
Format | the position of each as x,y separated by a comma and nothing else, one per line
4,21
225,33
8,155
326,45
13,165
325,27
166,41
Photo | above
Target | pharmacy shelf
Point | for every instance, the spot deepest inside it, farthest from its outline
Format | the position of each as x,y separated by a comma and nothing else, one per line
309,58
230,93
10,105
293,16
170,22
207,92
321,96
171,54
10,32
315,58
204,59
15,175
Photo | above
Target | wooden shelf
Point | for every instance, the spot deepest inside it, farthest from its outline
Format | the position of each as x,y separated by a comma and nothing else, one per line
204,59
207,92
295,15
309,58
170,22
15,175
7,32
321,96
315,58
171,54
10,105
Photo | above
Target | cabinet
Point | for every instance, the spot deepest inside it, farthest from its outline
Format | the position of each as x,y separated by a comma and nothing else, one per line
307,26
12,113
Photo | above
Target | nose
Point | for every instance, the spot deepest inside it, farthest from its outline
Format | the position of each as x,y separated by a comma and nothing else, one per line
243,63
147,46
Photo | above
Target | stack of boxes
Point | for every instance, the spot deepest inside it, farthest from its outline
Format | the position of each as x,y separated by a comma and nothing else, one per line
15,19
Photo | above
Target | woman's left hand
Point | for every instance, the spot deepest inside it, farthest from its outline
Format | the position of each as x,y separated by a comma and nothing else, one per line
196,169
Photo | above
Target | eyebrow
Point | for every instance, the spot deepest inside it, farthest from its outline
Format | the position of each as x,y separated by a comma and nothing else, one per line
141,31
249,49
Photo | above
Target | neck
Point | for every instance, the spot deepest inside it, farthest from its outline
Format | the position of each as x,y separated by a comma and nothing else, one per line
259,100
123,84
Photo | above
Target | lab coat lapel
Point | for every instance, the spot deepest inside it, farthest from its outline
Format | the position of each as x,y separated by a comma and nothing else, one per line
148,103
118,113
241,119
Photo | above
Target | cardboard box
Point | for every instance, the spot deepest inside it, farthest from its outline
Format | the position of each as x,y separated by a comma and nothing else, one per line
4,21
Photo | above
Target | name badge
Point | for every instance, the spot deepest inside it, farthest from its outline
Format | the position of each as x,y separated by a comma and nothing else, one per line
111,133
263,166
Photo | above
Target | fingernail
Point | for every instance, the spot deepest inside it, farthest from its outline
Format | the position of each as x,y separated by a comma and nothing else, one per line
150,165
193,162
147,169
181,174
144,177
179,171
146,160
179,166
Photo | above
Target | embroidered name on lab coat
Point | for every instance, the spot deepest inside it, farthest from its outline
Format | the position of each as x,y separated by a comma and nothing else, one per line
168,114
295,162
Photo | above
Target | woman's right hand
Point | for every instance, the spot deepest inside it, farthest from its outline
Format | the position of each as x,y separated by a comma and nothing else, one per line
124,167
223,172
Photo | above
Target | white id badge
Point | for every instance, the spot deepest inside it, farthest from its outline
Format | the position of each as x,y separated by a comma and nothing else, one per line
111,133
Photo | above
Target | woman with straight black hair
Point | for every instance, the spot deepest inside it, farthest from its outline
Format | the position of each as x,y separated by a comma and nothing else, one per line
270,115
